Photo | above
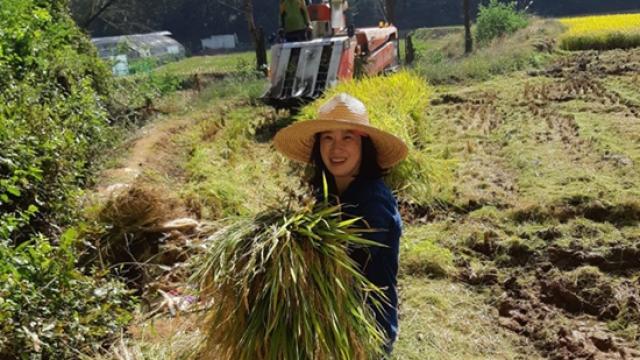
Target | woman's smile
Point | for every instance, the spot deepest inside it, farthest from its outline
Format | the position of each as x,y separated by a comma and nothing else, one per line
341,152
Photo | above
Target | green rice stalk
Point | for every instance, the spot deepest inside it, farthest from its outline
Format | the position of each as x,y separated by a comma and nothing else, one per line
283,286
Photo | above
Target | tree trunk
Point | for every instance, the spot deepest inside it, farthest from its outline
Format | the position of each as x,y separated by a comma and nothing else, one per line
409,51
390,11
468,40
256,37
93,17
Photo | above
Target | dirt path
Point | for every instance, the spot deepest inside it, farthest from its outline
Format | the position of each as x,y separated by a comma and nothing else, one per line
147,151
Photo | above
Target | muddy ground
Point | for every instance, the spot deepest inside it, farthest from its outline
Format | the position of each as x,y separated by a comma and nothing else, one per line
554,153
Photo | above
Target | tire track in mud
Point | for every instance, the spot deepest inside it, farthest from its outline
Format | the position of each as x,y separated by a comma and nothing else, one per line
483,179
541,100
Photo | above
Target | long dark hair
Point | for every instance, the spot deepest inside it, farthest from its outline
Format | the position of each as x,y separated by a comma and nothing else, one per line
369,167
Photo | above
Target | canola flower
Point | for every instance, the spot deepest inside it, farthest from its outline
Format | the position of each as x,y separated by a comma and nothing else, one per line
601,32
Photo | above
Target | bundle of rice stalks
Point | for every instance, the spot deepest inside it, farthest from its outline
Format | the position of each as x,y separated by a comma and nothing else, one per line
397,104
284,287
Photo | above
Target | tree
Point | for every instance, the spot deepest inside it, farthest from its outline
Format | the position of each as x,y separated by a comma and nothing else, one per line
257,35
468,40
97,13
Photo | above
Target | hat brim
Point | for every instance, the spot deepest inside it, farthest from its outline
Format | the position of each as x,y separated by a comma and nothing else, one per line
296,140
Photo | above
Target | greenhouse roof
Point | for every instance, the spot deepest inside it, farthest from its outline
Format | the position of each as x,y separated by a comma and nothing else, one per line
139,42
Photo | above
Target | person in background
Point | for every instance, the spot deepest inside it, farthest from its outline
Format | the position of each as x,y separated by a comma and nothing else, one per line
294,20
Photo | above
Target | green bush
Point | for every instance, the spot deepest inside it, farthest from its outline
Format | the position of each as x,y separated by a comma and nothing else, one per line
54,123
51,310
497,19
53,117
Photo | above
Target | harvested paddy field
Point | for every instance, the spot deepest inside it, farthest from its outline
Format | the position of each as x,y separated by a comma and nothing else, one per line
548,186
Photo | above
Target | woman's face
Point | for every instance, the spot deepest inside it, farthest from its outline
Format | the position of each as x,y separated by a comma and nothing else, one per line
341,152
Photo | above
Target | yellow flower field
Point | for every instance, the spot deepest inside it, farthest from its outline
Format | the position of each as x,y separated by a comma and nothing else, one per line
601,32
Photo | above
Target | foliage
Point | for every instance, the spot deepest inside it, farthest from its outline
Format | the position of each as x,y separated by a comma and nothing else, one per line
604,32
51,310
284,287
440,53
396,104
53,118
497,19
54,123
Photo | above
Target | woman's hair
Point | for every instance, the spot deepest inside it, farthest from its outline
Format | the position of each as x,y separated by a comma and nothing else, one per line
369,167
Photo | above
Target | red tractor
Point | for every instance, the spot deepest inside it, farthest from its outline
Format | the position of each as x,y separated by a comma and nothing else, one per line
301,71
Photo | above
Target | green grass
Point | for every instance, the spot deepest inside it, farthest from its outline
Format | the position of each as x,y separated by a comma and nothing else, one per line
444,320
229,171
441,56
213,64
422,255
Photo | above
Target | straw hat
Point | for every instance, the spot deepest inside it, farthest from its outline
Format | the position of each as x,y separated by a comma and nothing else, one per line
342,112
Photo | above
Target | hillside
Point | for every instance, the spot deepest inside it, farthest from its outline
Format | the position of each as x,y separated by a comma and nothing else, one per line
532,252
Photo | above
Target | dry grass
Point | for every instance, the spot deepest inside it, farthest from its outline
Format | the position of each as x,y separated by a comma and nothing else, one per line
443,320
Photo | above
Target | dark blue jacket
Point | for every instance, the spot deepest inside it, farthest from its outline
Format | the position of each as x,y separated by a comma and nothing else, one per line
373,201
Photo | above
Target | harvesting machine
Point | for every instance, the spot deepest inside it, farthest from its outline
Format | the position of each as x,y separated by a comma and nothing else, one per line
301,71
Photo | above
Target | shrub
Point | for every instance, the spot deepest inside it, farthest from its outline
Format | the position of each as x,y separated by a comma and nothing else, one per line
497,19
54,123
51,310
53,118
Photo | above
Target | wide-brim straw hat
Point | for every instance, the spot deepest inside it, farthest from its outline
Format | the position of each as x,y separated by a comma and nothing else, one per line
341,112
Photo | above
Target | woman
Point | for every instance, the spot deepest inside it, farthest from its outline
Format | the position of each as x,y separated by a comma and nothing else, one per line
342,144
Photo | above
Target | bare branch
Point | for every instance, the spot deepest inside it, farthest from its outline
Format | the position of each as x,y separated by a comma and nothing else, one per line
93,17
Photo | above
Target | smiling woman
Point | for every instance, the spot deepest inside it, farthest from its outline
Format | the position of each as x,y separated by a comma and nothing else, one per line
353,155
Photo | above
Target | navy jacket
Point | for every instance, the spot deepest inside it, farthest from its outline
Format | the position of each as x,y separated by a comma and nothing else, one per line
373,201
